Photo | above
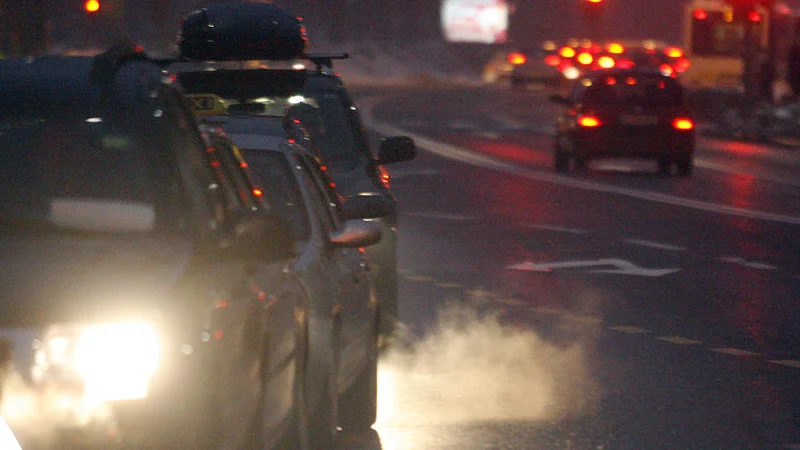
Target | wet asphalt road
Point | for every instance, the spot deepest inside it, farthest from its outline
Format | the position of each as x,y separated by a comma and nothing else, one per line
612,309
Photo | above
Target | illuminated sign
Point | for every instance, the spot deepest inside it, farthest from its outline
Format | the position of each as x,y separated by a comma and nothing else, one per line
476,21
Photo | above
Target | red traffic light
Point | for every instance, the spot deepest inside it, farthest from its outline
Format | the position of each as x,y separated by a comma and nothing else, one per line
91,6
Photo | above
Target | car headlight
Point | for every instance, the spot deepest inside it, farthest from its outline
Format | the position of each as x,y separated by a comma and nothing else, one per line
113,361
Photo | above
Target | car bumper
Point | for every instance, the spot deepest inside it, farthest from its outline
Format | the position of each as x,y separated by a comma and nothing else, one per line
601,144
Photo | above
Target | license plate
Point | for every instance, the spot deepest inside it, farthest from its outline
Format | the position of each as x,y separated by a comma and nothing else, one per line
638,120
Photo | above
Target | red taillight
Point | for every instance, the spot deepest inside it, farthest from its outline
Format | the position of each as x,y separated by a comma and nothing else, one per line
585,58
589,121
625,64
552,60
666,70
606,62
385,177
683,123
700,14
258,192
517,59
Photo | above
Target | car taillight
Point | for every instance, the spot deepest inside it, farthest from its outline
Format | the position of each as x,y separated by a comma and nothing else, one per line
552,60
666,70
683,123
606,62
385,177
517,58
588,121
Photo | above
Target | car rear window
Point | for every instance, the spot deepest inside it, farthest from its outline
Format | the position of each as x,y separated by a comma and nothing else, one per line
631,89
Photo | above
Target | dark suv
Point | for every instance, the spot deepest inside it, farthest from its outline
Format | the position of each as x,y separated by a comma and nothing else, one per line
305,89
148,291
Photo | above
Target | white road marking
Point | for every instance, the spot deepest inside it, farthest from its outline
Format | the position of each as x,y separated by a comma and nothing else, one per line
734,352
558,229
622,267
678,340
443,216
630,330
750,264
475,158
656,245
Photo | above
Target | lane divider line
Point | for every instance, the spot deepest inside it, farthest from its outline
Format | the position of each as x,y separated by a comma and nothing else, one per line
628,329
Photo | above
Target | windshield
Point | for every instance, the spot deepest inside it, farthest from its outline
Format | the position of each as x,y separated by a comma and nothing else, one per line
64,169
627,89
323,113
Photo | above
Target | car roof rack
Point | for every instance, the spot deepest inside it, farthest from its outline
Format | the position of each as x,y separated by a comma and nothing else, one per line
324,61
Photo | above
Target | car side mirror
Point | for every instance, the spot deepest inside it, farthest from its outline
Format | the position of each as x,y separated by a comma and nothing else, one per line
396,149
356,233
366,206
258,236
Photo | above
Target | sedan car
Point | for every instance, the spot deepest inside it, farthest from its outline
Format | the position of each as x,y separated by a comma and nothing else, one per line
150,292
342,316
625,113
252,55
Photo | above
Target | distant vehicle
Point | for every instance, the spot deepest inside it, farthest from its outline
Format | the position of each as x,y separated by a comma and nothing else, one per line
558,65
715,33
520,67
151,291
625,113
264,79
340,313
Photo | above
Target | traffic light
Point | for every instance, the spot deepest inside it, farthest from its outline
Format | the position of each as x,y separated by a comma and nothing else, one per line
91,6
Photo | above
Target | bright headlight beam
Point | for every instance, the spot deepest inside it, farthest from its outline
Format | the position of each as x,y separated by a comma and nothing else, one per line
116,361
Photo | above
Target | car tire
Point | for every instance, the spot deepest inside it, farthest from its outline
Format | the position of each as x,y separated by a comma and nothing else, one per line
664,166
561,160
321,380
685,167
299,436
359,404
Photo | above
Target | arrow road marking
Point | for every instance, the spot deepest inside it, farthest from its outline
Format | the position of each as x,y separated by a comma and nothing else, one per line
622,267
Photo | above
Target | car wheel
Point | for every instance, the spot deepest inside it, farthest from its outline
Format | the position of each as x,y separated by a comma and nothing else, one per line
321,380
561,160
685,167
664,166
299,438
359,404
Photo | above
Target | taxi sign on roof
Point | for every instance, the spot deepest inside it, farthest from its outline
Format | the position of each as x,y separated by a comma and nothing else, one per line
207,104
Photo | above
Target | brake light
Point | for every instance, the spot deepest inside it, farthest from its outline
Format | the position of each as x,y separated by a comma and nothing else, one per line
615,48
682,64
552,60
683,123
567,52
589,121
585,58
517,59
606,62
625,64
673,52
700,14
666,70
386,179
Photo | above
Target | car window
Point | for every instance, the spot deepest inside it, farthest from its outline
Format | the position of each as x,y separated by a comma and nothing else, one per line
325,114
630,89
64,155
320,191
272,171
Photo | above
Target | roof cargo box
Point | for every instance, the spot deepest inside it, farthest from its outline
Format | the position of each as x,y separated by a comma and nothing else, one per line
241,32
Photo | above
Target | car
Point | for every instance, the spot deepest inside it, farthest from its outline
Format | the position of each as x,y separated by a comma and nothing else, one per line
625,113
150,294
537,65
342,314
255,74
